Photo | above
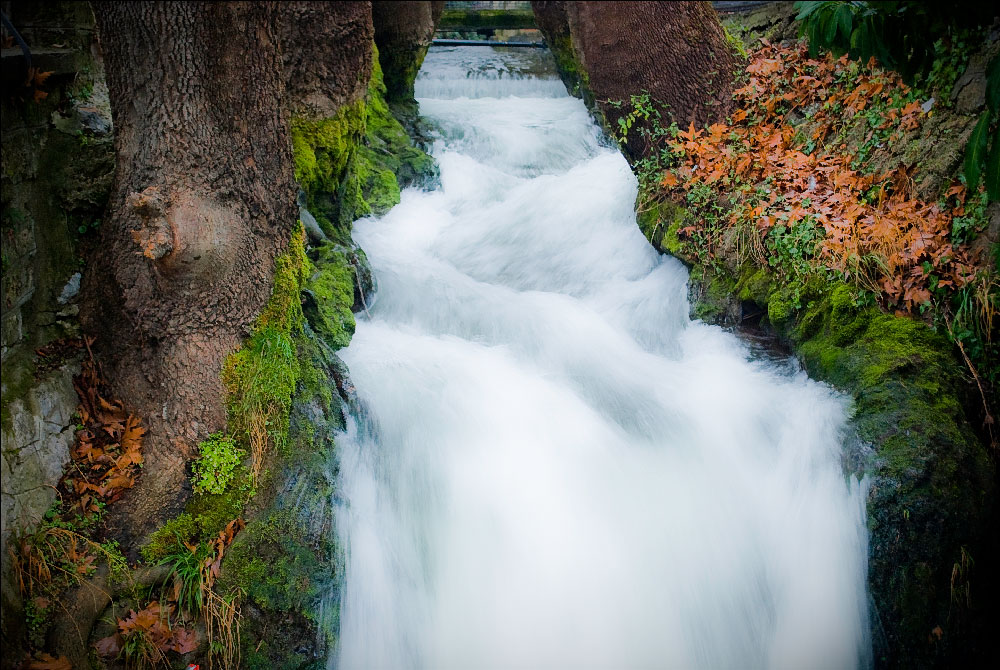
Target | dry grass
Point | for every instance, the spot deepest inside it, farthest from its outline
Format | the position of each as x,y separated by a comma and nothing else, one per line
222,626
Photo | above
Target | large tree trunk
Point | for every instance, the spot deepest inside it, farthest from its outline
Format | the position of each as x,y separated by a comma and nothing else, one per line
403,32
676,51
327,51
203,201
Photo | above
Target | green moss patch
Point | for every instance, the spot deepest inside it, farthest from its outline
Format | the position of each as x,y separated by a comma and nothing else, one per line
507,19
354,164
332,286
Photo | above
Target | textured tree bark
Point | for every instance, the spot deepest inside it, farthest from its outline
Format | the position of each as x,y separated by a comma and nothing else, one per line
403,32
676,51
327,53
203,201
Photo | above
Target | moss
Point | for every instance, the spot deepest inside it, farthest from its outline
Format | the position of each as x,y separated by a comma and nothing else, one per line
572,73
507,19
660,223
204,516
183,528
324,151
931,486
213,511
283,572
260,378
332,284
389,148
399,66
930,474
354,163
671,241
273,565
780,309
755,286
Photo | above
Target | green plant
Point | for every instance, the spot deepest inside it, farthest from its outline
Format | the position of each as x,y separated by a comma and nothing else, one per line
984,144
139,650
902,36
214,468
735,41
85,228
188,564
793,246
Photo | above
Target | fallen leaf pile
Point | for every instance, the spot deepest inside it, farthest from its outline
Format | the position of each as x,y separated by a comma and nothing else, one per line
153,625
776,173
156,624
107,454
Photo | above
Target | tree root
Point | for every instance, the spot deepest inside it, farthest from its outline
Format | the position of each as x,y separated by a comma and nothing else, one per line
81,605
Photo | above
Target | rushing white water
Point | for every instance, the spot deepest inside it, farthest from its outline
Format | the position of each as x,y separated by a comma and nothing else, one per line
554,467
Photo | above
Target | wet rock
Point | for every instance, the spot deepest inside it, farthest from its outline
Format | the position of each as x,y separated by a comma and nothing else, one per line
313,230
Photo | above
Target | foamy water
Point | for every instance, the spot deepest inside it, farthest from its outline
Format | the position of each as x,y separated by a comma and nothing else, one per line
553,466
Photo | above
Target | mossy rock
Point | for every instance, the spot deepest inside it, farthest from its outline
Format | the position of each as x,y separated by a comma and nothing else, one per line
931,499
330,294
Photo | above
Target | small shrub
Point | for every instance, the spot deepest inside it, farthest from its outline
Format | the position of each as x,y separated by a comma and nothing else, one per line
214,468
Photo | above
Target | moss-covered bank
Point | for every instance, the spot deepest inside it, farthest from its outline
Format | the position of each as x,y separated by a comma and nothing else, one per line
932,494
353,164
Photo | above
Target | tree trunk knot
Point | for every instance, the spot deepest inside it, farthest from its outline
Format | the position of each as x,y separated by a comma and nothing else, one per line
155,238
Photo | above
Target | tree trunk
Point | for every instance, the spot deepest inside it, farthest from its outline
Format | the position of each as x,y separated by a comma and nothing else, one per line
327,51
552,19
203,201
403,32
676,51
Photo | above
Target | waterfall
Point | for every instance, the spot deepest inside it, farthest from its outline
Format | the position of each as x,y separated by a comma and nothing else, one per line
553,466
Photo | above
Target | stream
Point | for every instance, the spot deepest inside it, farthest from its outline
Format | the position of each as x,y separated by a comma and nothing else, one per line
553,466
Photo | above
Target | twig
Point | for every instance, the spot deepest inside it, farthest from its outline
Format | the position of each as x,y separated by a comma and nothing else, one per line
988,421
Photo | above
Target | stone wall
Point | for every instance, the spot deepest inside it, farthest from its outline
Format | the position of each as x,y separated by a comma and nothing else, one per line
57,167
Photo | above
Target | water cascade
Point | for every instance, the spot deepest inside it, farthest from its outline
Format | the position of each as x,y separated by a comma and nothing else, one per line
553,466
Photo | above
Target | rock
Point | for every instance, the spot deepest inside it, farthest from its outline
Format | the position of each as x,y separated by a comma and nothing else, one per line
37,434
309,222
92,120
969,93
365,286
70,290
313,231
